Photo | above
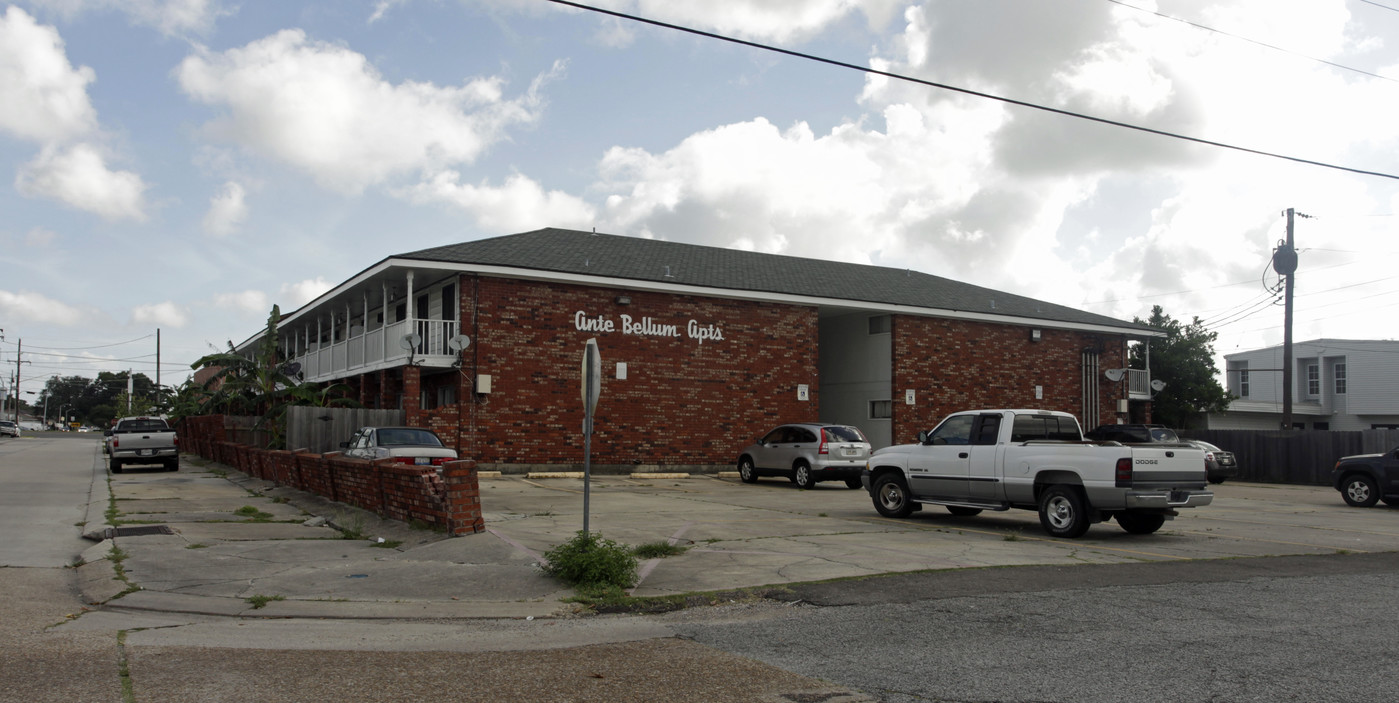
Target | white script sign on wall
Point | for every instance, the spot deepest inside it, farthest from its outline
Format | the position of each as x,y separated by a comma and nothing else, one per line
645,326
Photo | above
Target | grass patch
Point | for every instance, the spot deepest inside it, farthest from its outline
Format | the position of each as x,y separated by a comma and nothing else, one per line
1012,537
128,692
590,562
260,601
388,544
250,512
279,500
196,545
657,550
351,526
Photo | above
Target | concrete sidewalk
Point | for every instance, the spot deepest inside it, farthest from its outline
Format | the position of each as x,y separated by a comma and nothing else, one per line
208,540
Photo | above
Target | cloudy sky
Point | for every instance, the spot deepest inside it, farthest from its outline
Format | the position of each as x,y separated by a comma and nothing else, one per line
182,165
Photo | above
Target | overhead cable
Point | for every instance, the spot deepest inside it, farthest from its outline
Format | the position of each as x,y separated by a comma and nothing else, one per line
968,91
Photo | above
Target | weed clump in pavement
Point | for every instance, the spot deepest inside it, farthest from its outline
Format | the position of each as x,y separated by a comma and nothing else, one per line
590,562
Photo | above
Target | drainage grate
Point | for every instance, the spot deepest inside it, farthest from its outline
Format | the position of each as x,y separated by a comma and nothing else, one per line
138,530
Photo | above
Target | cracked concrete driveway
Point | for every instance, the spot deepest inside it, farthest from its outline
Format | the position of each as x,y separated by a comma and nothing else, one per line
741,535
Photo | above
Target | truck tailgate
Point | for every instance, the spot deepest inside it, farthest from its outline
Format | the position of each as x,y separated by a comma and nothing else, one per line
1168,466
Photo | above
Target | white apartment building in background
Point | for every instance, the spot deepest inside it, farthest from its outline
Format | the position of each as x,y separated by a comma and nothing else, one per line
1337,384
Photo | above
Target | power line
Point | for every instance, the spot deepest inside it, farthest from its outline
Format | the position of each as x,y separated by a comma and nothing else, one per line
98,346
1386,7
968,91
1251,41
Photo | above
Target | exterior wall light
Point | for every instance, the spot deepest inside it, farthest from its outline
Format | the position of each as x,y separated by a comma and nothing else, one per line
624,300
1034,335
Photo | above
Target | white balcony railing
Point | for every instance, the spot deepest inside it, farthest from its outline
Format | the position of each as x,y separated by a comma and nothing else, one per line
381,348
1138,384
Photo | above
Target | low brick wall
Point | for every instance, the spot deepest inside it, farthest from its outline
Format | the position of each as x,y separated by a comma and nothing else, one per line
450,500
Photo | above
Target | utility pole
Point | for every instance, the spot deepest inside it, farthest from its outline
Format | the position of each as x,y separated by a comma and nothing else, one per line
1285,263
19,356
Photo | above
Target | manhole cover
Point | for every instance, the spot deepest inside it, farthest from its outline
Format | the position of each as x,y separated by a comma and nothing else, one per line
138,530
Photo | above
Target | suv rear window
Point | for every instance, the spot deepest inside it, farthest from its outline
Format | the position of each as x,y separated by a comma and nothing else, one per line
843,433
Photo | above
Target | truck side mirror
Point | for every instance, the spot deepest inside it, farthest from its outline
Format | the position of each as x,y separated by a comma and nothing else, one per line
922,436
344,445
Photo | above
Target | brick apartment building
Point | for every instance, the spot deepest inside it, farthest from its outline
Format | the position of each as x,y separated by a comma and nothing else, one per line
703,348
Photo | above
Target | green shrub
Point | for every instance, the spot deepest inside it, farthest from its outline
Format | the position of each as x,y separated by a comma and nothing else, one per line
589,561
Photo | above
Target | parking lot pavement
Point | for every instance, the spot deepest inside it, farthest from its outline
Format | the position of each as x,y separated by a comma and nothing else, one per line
741,535
734,536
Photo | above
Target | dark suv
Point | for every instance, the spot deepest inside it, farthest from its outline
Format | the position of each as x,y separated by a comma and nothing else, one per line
1134,434
1219,464
1366,478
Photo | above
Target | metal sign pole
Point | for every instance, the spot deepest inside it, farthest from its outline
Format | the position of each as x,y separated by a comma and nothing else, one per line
592,386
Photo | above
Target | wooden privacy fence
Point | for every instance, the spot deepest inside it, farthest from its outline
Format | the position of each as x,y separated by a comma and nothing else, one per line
450,500
323,429
1294,457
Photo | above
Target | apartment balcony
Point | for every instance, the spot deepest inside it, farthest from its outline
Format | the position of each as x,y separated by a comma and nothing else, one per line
363,351
1138,384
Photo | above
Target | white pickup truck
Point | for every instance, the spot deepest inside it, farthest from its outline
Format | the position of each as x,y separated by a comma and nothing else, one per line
1036,460
143,440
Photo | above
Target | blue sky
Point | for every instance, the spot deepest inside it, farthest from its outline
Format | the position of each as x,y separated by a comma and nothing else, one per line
186,164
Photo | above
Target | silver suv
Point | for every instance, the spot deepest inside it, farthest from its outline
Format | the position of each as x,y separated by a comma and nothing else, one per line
8,427
806,453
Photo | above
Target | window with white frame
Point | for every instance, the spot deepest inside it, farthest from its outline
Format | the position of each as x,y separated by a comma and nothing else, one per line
1313,380
1340,373
1243,382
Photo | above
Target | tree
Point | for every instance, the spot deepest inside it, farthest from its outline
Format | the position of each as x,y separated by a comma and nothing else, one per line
257,385
1184,360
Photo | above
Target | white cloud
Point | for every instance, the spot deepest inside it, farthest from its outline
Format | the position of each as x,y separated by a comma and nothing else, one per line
227,210
297,294
43,97
252,302
324,109
519,204
78,175
170,17
34,307
166,314
382,7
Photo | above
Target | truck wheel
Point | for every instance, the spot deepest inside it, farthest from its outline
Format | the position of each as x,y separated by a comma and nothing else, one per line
746,471
1360,491
891,496
1062,512
172,465
114,465
1140,523
852,483
1216,479
801,475
960,511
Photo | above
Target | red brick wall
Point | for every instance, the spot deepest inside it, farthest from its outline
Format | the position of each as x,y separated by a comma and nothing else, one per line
683,401
955,365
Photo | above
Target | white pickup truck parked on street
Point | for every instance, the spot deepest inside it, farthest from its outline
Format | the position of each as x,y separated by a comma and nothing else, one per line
1036,460
143,440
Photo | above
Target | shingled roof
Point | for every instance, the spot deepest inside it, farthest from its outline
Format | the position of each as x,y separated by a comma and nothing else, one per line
632,258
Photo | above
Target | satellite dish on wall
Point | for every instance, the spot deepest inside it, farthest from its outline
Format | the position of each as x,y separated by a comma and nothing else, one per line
1115,375
292,368
458,343
1157,385
410,341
